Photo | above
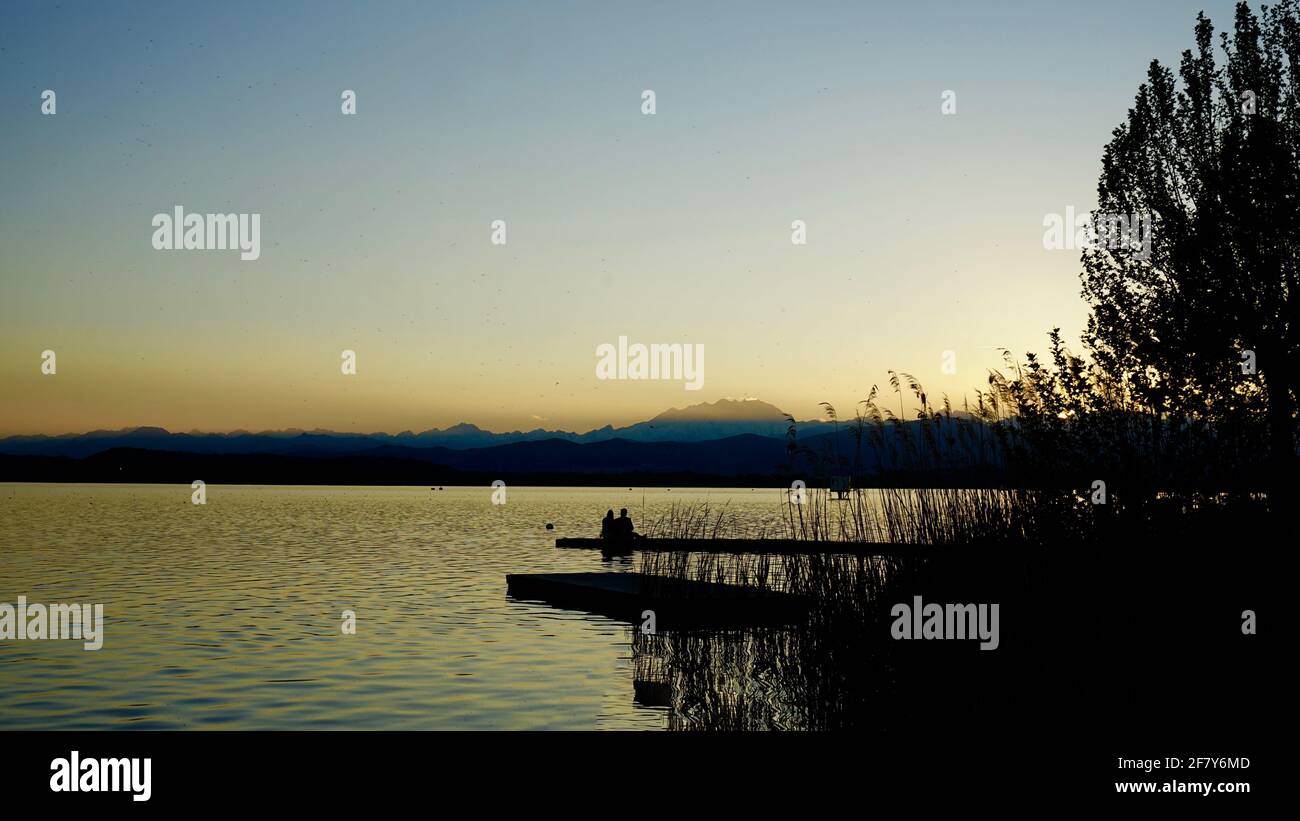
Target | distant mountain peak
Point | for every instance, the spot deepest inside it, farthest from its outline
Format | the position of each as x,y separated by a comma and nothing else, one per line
463,428
143,430
724,410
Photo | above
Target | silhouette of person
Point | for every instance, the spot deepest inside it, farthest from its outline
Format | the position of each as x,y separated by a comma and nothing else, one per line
624,528
607,525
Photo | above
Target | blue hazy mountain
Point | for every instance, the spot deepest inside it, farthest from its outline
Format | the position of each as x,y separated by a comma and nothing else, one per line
696,423
725,443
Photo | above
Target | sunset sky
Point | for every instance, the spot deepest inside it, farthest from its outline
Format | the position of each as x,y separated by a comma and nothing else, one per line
924,230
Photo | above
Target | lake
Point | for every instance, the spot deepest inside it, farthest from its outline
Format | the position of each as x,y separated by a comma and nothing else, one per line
228,615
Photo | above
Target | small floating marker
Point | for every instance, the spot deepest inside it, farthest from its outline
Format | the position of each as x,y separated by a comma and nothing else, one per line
550,526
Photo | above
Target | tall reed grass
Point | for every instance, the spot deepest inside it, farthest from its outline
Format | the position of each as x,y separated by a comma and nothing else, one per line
841,669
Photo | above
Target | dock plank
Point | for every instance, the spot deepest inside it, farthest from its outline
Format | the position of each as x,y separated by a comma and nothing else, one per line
781,547
677,603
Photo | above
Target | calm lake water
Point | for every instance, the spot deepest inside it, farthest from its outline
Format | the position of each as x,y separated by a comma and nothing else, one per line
228,615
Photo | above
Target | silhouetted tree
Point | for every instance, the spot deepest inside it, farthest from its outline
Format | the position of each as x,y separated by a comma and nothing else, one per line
1213,162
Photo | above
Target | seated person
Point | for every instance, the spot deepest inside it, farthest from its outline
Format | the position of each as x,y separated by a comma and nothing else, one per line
623,527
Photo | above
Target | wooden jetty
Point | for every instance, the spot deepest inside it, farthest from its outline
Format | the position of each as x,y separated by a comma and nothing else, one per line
779,547
677,603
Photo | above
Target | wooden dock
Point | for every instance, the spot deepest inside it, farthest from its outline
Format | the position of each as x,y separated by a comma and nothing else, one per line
779,547
677,603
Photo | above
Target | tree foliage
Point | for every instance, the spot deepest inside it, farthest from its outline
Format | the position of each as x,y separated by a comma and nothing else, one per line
1211,157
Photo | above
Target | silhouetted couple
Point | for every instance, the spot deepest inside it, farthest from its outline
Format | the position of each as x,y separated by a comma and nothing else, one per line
620,529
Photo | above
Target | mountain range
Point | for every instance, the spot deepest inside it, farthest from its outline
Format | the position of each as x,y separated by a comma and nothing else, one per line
696,423
737,443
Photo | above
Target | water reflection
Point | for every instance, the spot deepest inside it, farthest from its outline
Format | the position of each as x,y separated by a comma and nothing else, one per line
228,615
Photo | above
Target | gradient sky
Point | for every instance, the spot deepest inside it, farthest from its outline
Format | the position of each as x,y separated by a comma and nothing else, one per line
924,230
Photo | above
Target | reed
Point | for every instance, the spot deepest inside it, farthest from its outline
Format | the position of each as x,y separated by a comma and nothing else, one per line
841,669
